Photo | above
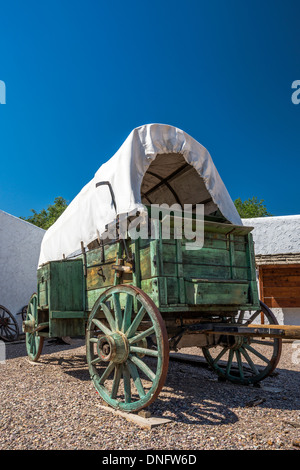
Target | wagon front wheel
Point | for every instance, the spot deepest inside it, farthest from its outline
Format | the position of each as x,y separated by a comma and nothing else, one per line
243,360
34,342
127,348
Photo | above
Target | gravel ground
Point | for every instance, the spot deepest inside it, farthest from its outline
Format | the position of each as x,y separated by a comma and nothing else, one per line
53,405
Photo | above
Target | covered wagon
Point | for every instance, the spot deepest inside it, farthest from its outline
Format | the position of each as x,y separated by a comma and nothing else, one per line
118,267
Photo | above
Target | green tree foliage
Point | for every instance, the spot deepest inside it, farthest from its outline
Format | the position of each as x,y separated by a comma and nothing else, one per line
46,217
251,208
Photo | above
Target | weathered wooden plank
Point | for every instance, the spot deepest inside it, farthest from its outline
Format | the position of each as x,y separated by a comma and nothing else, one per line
232,257
205,293
180,272
172,290
273,302
281,269
151,288
94,256
220,227
145,262
100,276
281,292
67,315
155,258
92,296
281,281
67,327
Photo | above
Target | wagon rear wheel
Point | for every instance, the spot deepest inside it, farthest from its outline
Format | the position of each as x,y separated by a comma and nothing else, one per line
9,330
127,348
246,360
34,342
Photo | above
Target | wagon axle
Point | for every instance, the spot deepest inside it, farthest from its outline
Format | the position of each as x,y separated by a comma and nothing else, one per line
240,331
113,347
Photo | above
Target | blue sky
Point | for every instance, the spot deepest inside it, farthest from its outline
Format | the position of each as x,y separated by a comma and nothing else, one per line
81,75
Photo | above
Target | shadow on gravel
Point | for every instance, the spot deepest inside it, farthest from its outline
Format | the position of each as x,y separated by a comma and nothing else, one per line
195,396
192,394
18,349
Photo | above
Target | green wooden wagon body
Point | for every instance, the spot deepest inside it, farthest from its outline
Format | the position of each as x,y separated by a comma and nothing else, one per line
216,280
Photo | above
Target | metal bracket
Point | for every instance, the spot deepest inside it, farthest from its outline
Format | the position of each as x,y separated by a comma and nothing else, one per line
107,183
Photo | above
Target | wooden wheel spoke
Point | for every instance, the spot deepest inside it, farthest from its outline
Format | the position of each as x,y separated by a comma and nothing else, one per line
136,322
241,316
253,316
11,327
117,310
116,381
127,313
216,360
96,360
263,358
249,360
143,367
108,316
106,373
229,363
127,384
101,326
31,312
136,378
240,363
146,351
32,344
141,335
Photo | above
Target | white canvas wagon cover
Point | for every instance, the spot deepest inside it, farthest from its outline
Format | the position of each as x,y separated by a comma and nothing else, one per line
156,164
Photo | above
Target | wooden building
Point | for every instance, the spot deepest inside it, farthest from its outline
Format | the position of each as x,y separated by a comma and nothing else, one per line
277,254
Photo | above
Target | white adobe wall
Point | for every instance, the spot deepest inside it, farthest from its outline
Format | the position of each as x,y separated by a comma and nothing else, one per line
287,316
291,316
19,252
275,235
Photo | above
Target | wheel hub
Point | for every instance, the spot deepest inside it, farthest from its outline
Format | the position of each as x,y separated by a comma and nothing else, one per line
238,342
28,326
232,342
4,322
113,348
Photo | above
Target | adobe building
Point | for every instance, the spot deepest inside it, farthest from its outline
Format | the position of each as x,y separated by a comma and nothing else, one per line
20,244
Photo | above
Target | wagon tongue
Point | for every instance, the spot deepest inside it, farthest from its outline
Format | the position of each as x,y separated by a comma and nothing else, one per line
271,331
